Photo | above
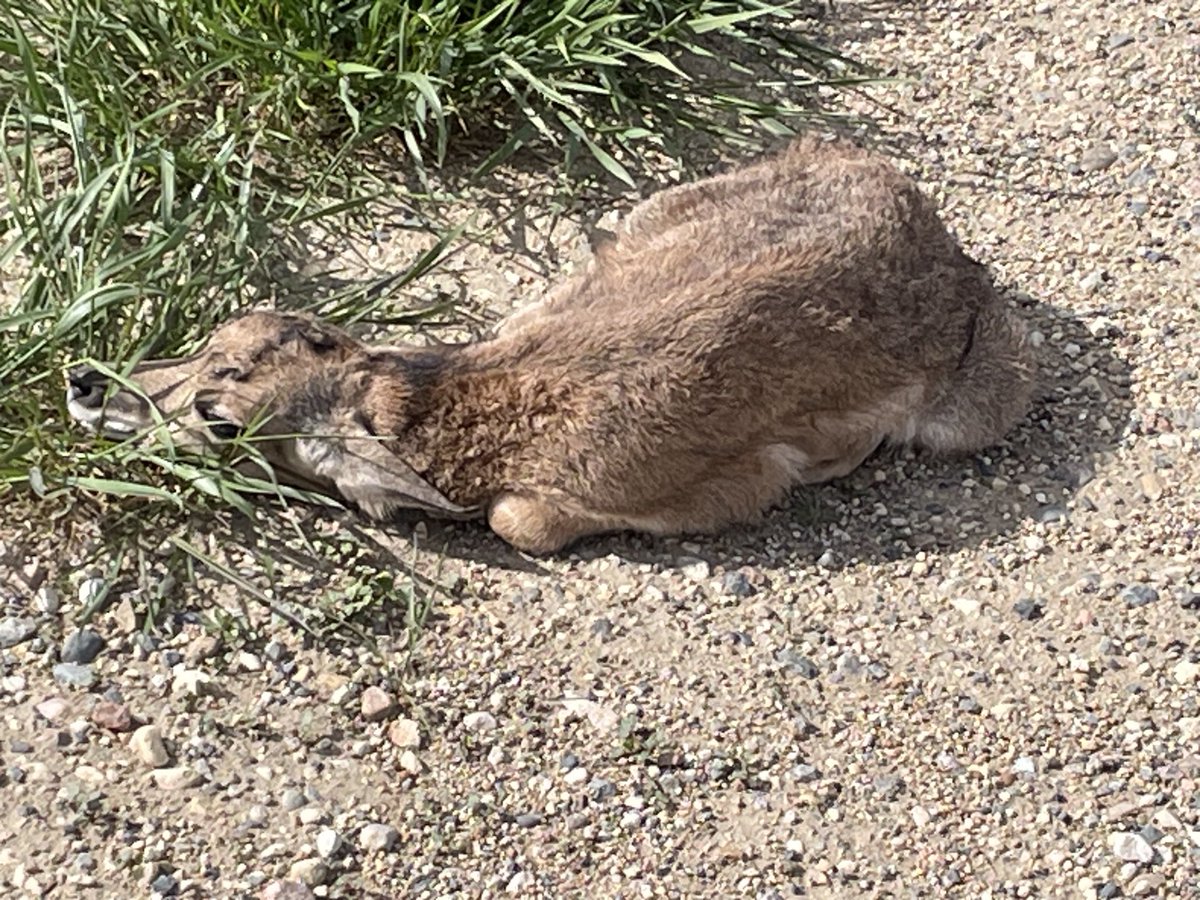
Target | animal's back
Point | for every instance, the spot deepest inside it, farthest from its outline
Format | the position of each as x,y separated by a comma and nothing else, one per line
825,235
822,265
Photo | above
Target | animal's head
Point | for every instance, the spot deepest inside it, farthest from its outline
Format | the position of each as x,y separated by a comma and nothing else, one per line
294,390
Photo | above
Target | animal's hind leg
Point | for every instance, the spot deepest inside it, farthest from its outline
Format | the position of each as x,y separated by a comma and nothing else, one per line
840,461
738,491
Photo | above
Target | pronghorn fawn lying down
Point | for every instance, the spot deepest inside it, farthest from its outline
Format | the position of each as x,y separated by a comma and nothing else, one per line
765,327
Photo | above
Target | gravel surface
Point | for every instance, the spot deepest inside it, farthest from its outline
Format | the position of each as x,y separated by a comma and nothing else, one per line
964,678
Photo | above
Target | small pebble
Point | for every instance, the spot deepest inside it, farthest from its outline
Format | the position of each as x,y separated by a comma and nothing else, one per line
377,704
404,733
796,662
1186,672
1151,834
377,837
81,646
52,709
601,789
602,628
47,600
1029,609
291,800
194,683
112,716
1097,158
15,631
411,763
479,721
328,843
147,745
1130,847
805,773
736,584
286,890
1139,595
179,778
74,675
311,872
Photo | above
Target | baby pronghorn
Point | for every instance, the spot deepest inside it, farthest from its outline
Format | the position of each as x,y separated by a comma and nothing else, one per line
762,328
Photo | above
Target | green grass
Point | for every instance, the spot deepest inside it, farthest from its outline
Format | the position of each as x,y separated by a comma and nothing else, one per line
159,155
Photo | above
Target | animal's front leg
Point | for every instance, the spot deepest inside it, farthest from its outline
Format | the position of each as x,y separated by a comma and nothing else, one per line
539,525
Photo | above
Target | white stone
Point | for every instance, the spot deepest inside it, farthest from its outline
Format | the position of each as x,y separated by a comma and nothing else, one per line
479,721
1130,847
377,837
147,745
328,843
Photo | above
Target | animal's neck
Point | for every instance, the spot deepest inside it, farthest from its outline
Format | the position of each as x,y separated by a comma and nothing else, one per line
477,416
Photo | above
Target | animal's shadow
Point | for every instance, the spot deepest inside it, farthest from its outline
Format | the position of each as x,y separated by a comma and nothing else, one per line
901,502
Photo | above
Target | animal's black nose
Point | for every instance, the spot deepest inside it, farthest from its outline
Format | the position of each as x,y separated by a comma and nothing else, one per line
86,386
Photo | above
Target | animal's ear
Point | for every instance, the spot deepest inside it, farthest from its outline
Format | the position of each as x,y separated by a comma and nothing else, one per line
379,482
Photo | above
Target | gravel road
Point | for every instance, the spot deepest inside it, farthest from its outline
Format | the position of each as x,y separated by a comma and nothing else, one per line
954,678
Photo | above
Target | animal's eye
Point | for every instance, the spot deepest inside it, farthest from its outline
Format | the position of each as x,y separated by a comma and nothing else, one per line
228,372
218,426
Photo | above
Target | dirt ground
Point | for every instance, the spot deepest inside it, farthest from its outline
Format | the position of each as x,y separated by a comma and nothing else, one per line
968,677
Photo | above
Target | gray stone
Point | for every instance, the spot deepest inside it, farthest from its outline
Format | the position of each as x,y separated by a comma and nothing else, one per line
81,646
15,631
1138,595
603,629
798,663
291,800
1097,158
74,675
601,789
1152,834
737,584
805,773
1029,609
848,664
